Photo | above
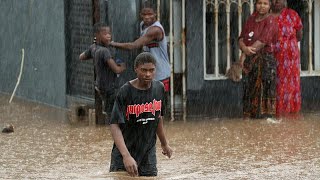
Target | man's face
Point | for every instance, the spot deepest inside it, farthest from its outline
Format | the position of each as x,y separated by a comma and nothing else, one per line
146,72
278,4
104,36
148,16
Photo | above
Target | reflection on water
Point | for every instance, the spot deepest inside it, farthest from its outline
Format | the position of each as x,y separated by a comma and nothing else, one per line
46,146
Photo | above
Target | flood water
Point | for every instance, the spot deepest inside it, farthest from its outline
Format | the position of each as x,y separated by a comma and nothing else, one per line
45,145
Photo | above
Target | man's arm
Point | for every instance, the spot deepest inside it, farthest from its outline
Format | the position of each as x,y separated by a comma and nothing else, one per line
129,163
83,56
152,34
166,149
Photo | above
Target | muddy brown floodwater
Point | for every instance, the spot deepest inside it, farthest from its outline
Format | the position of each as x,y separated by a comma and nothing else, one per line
45,145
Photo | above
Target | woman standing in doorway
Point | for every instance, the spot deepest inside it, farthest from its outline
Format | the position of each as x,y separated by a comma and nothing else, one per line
288,58
256,41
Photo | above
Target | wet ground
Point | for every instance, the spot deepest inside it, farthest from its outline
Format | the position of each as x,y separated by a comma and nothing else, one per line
45,145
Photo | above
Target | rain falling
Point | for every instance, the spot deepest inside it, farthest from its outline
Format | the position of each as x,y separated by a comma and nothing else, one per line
53,124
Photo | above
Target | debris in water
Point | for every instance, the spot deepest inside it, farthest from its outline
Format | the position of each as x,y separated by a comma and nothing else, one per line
273,120
8,129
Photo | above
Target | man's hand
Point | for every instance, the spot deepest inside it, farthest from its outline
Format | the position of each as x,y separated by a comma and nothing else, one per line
112,43
123,66
166,150
131,165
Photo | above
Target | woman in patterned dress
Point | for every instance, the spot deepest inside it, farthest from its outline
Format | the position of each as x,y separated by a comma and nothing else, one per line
256,41
288,58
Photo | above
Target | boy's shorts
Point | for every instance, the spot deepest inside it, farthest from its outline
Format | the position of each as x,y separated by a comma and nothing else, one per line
148,166
108,98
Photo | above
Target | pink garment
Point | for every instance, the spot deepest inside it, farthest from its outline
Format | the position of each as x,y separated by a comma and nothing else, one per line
288,63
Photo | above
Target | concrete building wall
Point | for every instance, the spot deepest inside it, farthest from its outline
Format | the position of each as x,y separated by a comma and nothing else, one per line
220,98
194,45
37,26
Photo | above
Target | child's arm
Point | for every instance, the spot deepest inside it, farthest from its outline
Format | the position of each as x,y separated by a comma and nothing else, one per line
87,54
166,149
242,58
116,68
129,163
258,45
83,56
248,50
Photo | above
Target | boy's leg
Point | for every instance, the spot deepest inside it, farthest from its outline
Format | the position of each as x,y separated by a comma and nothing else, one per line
99,106
109,101
148,166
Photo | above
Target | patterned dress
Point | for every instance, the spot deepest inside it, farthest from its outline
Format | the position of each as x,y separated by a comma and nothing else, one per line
288,63
259,70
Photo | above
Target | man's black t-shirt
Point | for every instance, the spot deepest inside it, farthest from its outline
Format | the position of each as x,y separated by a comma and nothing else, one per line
105,77
138,113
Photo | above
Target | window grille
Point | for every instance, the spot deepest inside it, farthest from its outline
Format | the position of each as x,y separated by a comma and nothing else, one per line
222,24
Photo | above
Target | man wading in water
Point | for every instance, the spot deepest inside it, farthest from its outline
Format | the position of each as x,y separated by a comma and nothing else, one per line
136,121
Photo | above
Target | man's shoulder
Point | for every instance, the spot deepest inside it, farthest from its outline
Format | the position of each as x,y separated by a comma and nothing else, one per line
103,48
156,26
92,47
157,23
154,29
158,84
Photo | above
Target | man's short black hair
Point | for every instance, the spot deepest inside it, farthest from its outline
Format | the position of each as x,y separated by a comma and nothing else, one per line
98,26
149,4
144,58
